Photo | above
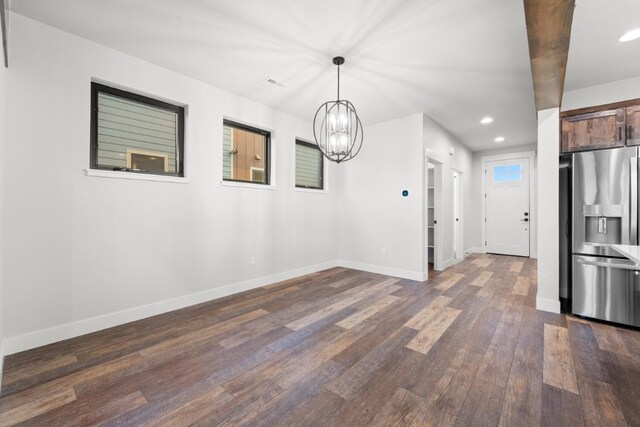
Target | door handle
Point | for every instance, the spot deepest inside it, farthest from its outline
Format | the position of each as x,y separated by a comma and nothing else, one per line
525,219
623,266
633,200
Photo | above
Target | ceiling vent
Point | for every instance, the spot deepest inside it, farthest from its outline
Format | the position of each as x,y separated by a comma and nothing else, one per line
272,81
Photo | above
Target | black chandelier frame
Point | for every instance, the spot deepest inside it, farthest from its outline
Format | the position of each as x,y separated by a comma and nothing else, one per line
320,126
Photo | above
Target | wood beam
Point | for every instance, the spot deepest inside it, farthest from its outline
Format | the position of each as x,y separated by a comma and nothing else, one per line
549,32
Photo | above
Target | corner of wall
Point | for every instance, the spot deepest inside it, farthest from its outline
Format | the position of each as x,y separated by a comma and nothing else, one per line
418,276
3,86
548,297
474,250
548,305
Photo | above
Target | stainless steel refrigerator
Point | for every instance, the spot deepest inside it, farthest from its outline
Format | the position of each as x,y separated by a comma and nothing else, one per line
605,285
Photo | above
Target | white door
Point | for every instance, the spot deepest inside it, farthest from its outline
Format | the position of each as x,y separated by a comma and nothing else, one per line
457,252
507,207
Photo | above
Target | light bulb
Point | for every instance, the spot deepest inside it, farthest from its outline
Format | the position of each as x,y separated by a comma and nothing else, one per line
344,141
333,142
332,121
343,121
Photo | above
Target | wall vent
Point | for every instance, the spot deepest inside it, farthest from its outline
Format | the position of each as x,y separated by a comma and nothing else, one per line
275,82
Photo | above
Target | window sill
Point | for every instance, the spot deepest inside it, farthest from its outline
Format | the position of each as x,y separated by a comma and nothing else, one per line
136,176
311,190
247,185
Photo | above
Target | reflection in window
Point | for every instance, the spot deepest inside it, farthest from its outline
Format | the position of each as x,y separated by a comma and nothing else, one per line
506,173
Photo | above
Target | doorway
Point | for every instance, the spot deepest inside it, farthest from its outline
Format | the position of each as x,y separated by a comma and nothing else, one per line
433,216
458,252
507,205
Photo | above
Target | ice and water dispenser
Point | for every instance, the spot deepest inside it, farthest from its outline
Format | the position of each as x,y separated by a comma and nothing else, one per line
603,224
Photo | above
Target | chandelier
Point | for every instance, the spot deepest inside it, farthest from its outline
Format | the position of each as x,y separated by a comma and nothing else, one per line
337,128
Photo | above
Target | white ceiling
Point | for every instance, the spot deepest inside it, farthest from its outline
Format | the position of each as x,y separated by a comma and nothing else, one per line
457,61
595,54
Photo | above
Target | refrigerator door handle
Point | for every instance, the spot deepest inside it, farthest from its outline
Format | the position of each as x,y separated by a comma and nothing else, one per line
633,188
608,264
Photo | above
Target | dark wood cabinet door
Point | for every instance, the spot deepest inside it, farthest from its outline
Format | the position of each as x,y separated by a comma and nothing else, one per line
633,125
602,129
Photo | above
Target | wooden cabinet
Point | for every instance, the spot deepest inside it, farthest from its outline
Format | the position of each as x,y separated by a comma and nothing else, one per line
595,130
633,125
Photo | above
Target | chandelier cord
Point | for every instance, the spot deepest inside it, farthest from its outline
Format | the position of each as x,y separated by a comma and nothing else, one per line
338,83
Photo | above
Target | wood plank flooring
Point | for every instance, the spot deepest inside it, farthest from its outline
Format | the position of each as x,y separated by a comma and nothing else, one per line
342,348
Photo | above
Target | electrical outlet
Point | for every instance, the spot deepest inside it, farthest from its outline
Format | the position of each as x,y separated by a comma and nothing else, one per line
383,251
252,260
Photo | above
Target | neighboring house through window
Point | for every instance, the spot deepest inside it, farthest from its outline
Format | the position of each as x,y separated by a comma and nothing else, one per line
309,166
245,153
135,133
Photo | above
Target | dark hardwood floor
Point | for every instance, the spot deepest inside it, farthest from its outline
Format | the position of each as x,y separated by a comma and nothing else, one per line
342,348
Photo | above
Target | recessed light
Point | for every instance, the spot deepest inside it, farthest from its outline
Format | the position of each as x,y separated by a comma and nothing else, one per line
499,139
630,35
486,120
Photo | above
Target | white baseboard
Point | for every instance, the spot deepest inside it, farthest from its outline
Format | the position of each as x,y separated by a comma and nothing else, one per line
42,337
474,250
455,261
1,363
387,271
552,306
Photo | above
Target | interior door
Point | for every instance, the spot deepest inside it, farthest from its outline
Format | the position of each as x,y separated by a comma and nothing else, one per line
507,207
457,250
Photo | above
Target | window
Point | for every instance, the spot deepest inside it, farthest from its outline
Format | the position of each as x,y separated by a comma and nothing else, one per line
134,133
245,153
309,166
508,173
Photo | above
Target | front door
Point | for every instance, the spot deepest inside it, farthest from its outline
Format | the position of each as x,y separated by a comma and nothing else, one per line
507,207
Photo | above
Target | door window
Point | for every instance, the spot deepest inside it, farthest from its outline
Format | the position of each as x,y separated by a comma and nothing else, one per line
506,173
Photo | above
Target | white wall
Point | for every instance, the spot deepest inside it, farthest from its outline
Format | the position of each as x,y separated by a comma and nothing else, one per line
607,93
159,245
477,217
548,298
374,217
437,143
